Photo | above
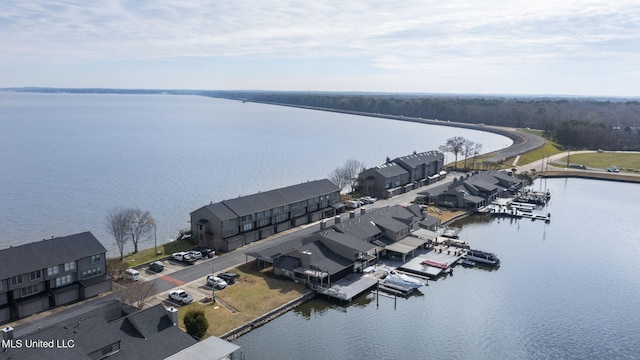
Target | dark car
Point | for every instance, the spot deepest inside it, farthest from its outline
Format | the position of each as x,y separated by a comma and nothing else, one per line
156,266
205,251
228,277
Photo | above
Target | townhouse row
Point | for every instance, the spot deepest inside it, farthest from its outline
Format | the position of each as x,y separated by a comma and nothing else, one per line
402,174
42,275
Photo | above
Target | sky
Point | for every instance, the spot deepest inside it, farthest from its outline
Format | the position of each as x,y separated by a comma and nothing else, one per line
559,47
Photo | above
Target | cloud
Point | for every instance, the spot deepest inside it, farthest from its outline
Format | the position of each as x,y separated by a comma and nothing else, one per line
406,36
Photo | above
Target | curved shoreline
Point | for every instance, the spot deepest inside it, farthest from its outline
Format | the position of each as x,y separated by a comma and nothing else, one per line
522,141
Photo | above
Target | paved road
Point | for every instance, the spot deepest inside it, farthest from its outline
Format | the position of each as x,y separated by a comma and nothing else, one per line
193,276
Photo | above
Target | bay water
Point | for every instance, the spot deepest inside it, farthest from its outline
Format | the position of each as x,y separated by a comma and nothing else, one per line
569,289
67,159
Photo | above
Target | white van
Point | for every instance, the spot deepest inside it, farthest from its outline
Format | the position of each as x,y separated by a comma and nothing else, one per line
132,274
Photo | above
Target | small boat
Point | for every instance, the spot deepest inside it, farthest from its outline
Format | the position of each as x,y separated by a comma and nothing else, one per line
482,257
434,263
396,278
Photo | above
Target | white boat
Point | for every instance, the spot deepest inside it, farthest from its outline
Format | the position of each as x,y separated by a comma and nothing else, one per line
403,280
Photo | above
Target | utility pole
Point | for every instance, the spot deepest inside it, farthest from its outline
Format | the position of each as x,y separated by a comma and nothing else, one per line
155,240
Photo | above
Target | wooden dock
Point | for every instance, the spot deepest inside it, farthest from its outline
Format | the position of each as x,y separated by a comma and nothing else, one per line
449,255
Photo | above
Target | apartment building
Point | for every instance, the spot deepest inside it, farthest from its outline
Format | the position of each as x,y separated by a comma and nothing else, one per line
44,274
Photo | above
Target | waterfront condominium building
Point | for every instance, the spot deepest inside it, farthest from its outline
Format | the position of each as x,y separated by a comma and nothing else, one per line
41,275
402,174
232,223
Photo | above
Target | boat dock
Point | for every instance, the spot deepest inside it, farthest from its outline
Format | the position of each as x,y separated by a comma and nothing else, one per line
348,287
431,264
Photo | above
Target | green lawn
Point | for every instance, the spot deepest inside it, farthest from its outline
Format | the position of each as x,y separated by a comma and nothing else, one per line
550,148
256,293
629,162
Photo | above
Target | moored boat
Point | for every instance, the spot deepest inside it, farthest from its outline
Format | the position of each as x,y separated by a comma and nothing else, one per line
396,278
482,257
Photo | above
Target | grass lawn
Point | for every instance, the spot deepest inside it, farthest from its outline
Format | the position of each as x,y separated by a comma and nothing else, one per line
443,214
550,148
256,293
629,162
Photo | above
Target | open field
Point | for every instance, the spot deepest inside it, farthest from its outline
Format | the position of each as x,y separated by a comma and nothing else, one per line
627,162
256,293
550,148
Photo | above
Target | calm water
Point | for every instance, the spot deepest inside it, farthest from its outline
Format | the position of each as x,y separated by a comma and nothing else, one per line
569,289
66,159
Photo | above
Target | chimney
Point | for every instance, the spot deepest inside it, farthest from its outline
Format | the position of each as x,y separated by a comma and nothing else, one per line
323,224
363,211
7,333
337,219
352,214
173,315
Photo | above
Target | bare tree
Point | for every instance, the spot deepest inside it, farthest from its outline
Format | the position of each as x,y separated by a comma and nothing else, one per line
140,225
338,178
118,225
137,292
454,145
352,168
467,151
477,148
347,174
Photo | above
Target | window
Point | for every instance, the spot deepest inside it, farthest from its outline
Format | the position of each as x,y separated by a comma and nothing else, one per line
247,226
53,270
263,222
1,284
91,273
63,280
30,290
16,280
34,275
281,217
71,265
95,258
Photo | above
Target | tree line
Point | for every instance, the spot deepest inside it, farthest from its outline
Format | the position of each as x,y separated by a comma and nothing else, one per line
607,123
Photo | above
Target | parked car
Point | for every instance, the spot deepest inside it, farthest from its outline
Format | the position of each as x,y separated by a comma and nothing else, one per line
182,256
132,275
205,251
194,254
156,266
216,282
229,277
613,169
180,296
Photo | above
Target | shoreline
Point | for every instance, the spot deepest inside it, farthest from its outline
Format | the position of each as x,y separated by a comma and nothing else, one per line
522,141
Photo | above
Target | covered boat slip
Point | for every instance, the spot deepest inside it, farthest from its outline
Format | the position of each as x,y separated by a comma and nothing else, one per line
348,287
407,246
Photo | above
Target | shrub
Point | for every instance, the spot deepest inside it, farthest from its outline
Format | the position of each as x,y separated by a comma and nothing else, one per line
196,323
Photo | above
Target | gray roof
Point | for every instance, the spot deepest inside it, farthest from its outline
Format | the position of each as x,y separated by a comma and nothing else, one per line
322,258
390,170
207,349
39,255
416,160
143,334
221,211
272,252
251,204
347,240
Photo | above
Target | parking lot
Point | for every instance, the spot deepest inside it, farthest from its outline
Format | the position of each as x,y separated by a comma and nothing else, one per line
198,288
